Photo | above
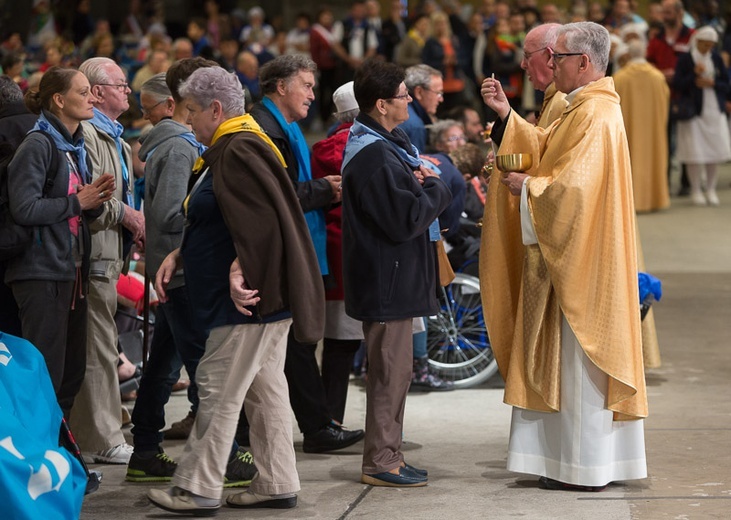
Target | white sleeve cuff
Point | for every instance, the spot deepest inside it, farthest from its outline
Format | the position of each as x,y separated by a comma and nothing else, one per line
526,223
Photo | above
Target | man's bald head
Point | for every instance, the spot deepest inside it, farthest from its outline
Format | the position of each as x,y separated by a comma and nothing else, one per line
536,57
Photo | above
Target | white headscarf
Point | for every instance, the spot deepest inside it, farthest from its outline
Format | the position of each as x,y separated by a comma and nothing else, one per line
707,34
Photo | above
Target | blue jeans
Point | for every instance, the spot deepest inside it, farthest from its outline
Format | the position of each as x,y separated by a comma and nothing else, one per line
176,342
419,340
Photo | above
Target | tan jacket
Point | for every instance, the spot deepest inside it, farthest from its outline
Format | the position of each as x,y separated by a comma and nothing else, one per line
106,231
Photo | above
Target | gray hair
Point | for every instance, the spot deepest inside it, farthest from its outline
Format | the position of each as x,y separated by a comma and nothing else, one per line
348,116
637,49
588,38
438,129
549,38
420,76
10,92
157,87
208,84
283,67
95,70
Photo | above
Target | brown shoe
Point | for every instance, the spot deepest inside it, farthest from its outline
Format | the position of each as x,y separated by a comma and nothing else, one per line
180,429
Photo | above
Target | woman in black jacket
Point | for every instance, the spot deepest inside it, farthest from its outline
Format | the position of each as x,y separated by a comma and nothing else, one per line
48,278
703,140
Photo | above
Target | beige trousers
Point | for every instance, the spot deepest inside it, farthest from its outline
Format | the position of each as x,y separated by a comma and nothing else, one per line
241,364
96,417
390,360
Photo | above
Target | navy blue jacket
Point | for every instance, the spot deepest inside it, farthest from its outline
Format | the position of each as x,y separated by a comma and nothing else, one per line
389,263
684,81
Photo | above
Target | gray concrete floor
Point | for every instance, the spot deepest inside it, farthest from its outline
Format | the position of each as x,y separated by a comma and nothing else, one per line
461,436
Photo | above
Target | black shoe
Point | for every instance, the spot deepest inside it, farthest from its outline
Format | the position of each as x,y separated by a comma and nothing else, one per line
150,467
332,437
240,470
557,485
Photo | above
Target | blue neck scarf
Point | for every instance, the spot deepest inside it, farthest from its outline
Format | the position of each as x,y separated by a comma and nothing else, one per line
315,218
190,137
114,130
361,136
64,145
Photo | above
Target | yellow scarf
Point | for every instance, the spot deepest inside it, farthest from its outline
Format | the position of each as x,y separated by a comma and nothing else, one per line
414,35
244,123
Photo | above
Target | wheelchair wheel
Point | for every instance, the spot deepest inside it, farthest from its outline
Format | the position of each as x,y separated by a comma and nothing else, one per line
458,344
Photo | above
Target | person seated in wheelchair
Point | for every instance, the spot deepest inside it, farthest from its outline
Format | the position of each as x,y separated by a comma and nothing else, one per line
470,160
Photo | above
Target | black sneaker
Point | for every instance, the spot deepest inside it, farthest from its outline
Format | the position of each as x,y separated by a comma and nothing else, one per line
150,467
240,470
332,437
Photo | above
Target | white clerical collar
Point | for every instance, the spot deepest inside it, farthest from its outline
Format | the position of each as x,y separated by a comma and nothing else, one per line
571,95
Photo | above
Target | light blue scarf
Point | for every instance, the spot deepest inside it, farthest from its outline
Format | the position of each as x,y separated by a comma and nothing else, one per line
62,144
316,217
114,130
361,136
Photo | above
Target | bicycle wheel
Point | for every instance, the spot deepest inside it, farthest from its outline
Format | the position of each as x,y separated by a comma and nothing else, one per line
458,344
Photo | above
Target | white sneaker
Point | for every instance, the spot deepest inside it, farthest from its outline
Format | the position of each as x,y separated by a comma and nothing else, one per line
698,199
119,454
712,198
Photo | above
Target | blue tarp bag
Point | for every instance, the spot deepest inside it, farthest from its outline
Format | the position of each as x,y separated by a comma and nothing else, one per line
38,479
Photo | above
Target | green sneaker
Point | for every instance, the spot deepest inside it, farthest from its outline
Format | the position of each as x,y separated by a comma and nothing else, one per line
240,470
157,467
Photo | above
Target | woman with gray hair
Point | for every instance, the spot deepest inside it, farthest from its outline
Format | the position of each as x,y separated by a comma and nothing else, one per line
446,135
249,281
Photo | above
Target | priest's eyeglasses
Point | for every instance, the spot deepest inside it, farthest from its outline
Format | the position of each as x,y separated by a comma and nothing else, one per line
528,55
561,55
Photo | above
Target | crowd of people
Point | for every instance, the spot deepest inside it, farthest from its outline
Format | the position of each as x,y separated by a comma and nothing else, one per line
260,246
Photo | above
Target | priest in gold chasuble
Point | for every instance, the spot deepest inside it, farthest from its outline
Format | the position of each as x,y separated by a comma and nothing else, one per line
565,329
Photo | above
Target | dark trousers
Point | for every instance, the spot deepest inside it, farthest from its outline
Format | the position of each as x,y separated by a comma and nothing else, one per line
53,318
672,144
176,342
9,320
329,82
337,363
390,359
306,391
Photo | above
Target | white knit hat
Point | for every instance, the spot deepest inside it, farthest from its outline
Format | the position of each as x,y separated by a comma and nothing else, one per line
344,98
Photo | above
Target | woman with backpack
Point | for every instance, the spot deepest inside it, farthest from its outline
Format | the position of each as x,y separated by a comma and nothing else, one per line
49,191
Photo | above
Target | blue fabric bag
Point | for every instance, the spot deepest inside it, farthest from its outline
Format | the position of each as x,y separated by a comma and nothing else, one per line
38,479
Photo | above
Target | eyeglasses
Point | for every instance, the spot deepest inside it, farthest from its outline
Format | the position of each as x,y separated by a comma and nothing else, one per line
439,93
455,138
561,55
401,96
122,86
148,110
527,54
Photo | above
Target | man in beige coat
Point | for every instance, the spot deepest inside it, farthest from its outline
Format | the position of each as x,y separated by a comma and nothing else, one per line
96,418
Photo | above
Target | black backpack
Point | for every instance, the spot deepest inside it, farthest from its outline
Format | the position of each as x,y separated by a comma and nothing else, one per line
14,238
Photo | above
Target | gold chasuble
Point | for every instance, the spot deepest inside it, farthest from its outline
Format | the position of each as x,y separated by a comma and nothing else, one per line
645,100
554,103
585,262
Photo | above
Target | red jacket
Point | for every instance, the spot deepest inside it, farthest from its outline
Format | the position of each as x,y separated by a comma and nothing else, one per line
327,158
665,56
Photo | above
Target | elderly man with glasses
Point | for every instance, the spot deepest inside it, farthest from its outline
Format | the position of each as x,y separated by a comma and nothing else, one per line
96,418
568,341
426,88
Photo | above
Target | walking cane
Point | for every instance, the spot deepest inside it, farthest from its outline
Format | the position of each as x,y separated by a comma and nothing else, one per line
93,477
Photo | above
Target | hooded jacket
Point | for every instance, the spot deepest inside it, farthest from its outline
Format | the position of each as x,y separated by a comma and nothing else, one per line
168,161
